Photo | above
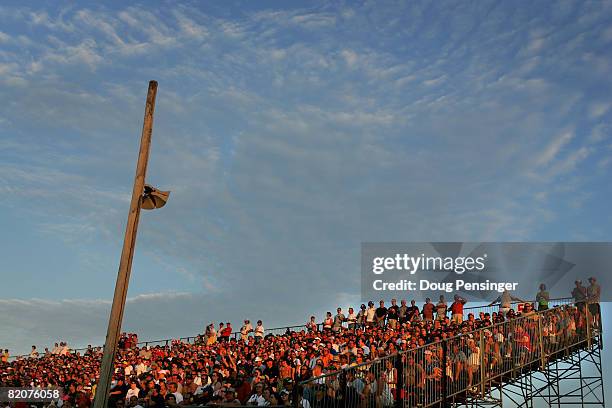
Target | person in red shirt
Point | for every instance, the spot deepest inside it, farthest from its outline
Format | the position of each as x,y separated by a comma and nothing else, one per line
428,310
226,332
457,309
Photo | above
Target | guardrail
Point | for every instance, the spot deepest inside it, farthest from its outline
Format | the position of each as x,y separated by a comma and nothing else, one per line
283,329
457,368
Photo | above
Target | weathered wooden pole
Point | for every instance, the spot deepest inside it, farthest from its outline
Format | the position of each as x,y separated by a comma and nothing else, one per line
127,254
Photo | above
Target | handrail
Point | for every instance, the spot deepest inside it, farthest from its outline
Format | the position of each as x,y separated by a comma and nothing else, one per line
440,395
236,334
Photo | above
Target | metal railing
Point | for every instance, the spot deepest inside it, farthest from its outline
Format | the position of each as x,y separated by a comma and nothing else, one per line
457,368
283,329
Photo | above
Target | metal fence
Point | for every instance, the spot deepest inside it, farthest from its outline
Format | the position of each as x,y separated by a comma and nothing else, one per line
475,310
458,368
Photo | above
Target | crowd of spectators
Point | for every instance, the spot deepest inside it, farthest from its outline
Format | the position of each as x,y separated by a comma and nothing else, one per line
253,367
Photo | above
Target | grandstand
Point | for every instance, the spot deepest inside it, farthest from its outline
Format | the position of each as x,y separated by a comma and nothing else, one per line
534,359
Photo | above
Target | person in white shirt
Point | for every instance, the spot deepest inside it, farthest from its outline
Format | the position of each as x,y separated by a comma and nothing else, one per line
140,367
259,330
34,352
473,360
245,330
370,313
257,398
173,389
133,391
128,369
64,349
351,319
505,302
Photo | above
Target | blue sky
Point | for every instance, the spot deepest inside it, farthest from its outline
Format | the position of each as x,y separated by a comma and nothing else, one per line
288,133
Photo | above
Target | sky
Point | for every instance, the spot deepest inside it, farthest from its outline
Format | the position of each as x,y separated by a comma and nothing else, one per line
289,133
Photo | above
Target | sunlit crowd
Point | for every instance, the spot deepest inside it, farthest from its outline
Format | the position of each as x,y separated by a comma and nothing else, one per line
249,366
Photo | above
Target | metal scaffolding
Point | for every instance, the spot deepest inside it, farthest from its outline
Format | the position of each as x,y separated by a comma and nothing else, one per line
570,377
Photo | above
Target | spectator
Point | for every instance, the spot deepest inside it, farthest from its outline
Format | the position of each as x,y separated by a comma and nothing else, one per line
381,314
311,325
328,322
505,301
338,320
393,315
351,319
257,398
412,311
173,389
542,298
579,293
259,331
133,391
210,334
456,309
428,310
441,308
593,297
370,314
225,335
245,330
401,311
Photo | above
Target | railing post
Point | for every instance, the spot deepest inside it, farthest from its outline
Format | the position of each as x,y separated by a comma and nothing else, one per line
587,315
444,376
399,378
541,340
482,363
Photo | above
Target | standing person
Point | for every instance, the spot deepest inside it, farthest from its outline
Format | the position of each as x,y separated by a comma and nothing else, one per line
245,330
338,320
580,295
259,331
403,309
381,314
412,311
370,314
311,325
393,314
34,352
456,309
351,319
505,302
542,298
428,310
361,316
441,308
328,322
593,297
211,334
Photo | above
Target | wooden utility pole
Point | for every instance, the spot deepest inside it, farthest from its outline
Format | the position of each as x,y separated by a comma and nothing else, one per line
127,254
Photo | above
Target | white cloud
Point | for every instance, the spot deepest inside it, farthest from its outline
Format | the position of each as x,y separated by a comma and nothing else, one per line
598,109
554,147
350,57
